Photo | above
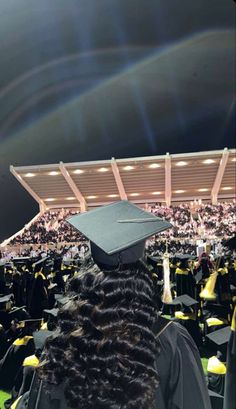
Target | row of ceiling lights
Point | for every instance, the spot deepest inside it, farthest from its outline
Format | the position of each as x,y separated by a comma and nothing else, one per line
126,168
51,199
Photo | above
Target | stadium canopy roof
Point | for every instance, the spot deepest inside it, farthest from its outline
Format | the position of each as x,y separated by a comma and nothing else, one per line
209,175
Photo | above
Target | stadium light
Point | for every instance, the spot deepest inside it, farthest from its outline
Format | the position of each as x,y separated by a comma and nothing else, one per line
181,163
50,199
91,197
103,170
29,175
208,161
78,171
134,194
113,195
53,173
154,166
227,188
156,193
180,191
128,167
203,189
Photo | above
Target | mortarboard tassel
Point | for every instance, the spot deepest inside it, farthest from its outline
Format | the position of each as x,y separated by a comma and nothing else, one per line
166,297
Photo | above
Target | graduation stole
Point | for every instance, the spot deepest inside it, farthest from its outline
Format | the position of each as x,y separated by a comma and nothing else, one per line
182,272
22,341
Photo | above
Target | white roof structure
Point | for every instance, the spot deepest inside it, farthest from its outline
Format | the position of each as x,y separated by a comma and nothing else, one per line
209,175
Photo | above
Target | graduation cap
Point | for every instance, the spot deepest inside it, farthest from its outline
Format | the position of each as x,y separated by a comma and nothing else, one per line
220,337
40,338
118,231
5,299
185,301
218,310
31,323
62,301
19,313
39,263
21,260
52,313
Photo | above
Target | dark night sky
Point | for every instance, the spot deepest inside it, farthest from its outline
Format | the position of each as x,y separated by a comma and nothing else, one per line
92,79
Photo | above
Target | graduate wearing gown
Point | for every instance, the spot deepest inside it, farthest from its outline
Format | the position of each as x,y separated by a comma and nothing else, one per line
119,351
182,383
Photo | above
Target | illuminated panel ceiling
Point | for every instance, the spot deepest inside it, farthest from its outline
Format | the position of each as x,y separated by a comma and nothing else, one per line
192,176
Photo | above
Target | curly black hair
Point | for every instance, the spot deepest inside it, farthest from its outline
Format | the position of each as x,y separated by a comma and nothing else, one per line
105,352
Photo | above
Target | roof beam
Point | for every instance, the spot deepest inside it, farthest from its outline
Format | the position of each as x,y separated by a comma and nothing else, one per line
74,188
219,176
118,179
42,205
168,179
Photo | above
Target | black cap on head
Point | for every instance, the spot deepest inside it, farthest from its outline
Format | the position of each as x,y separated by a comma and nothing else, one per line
218,310
40,338
185,301
184,259
118,232
220,337
39,264
5,299
53,312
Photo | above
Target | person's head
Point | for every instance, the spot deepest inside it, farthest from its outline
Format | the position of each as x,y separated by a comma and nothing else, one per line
105,351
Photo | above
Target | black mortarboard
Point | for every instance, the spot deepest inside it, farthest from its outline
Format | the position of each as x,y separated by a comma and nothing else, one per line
184,256
19,313
62,301
184,259
118,232
220,337
5,299
39,264
185,301
219,310
31,323
40,338
21,260
53,312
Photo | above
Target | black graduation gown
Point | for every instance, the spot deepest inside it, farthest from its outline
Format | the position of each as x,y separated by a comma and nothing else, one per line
13,359
39,296
185,283
182,383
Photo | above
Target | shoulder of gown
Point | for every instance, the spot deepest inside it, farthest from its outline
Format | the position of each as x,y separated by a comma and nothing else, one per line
182,381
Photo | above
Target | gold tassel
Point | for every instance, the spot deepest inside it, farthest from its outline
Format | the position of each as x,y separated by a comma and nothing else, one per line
166,297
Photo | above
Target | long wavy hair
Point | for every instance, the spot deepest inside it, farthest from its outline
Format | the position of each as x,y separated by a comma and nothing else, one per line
105,352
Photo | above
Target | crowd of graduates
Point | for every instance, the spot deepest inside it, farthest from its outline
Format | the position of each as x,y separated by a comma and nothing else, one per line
32,290
201,297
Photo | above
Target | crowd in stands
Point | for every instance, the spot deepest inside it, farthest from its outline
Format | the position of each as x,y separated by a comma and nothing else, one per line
50,228
205,221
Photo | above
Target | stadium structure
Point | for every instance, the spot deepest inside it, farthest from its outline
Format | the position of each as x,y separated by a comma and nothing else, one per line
208,176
